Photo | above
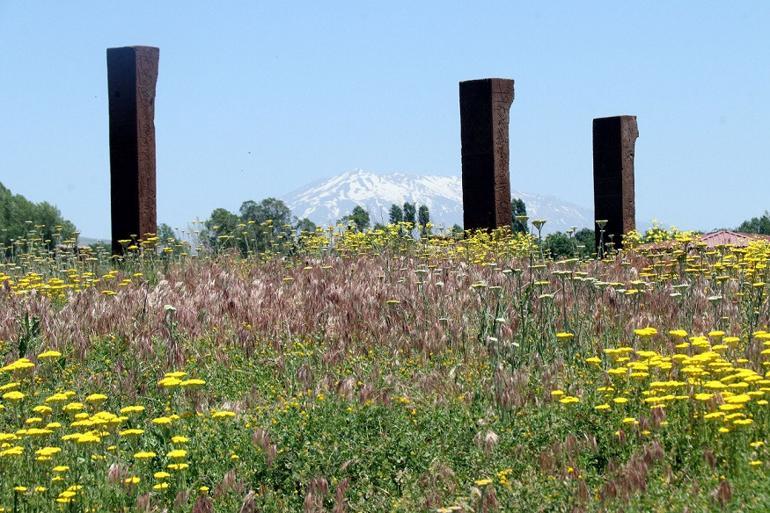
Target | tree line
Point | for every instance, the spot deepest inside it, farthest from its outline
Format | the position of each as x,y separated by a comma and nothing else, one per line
759,225
258,225
359,219
254,216
21,220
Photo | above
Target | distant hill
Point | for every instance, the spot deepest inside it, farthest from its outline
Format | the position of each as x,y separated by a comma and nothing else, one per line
326,201
88,241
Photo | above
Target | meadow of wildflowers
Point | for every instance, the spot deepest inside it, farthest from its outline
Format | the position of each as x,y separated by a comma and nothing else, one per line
367,372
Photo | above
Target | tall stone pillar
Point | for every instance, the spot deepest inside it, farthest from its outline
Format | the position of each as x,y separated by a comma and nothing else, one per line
132,73
614,143
484,117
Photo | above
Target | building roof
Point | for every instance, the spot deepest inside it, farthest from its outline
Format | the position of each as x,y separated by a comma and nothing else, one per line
712,240
724,237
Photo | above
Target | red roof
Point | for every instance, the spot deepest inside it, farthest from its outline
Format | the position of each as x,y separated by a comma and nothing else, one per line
713,239
724,237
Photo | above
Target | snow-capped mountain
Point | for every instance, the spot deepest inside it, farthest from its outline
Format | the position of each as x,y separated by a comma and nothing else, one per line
326,201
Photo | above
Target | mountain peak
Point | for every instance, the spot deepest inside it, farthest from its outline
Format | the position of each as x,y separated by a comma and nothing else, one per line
326,201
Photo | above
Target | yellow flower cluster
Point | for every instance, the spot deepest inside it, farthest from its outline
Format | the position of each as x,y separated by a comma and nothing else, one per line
705,372
57,431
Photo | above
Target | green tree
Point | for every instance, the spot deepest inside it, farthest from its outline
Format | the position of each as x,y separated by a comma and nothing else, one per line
166,234
269,209
257,227
518,209
23,219
559,245
586,241
423,218
564,245
268,222
396,214
760,225
359,219
220,229
305,225
410,211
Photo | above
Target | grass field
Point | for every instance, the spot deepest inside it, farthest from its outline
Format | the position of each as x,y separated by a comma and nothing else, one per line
378,373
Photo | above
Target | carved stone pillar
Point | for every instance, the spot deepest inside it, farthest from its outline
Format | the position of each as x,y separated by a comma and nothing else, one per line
484,117
614,147
132,73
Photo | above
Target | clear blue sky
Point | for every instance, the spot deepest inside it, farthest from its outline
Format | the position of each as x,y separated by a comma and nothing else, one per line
258,98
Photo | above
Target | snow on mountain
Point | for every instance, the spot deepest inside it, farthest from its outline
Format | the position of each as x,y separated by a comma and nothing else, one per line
326,201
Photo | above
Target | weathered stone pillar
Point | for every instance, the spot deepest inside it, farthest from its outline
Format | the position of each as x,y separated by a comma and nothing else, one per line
132,73
484,116
614,142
